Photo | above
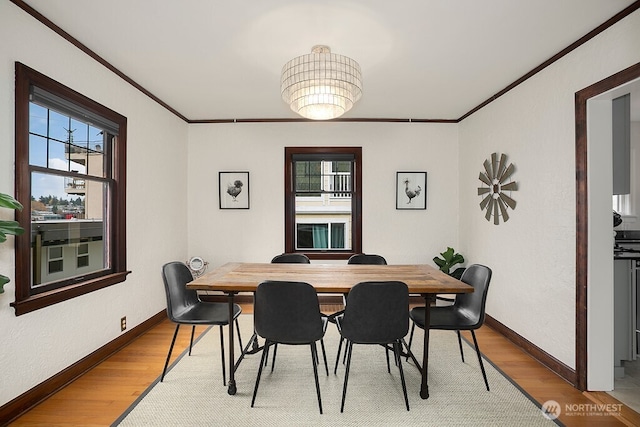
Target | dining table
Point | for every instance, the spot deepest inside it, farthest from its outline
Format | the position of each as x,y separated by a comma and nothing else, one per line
235,277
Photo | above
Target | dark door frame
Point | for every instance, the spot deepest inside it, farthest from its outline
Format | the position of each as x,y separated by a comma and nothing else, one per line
582,210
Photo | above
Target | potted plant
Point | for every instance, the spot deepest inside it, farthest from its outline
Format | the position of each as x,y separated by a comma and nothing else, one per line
8,227
448,260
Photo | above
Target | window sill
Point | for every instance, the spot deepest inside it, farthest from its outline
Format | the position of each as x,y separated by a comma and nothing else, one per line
45,299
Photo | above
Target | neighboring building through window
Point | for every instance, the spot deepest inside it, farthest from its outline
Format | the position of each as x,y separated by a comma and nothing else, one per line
323,201
70,176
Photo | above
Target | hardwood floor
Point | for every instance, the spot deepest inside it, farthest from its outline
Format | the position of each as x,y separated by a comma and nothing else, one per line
100,396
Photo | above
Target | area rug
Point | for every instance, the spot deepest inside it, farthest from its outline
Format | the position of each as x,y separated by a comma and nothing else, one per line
192,393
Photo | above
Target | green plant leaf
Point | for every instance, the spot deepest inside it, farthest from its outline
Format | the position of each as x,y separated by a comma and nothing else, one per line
9,227
6,201
447,255
458,272
3,281
457,259
448,260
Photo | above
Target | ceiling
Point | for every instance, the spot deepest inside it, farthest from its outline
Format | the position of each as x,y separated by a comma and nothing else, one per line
420,59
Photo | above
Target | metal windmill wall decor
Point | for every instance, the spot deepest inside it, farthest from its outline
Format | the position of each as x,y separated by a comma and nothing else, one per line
497,182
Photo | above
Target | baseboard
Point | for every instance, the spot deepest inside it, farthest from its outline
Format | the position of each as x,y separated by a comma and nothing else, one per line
21,404
534,351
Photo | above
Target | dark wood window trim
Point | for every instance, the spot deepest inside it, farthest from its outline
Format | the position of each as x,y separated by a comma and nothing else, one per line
356,200
26,300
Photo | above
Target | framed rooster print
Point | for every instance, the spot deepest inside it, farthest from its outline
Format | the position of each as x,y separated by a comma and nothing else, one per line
234,190
411,190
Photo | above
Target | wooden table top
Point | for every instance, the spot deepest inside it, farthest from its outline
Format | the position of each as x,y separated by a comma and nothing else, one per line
328,278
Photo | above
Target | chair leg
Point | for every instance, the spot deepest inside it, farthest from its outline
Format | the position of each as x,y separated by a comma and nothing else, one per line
396,350
484,374
324,356
387,353
347,353
410,353
273,361
265,349
335,369
166,363
224,372
413,327
460,345
263,361
314,361
239,337
193,330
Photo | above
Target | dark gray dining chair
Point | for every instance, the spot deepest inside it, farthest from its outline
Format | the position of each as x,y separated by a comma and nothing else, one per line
286,258
291,258
370,259
376,313
466,314
289,313
184,307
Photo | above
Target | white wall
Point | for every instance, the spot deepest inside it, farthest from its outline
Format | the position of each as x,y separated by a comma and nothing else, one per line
257,234
38,345
533,254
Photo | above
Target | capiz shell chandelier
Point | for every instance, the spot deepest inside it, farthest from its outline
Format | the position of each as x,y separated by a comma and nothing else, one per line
321,85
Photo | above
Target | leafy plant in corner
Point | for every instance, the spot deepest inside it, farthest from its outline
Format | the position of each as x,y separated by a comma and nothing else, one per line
448,260
8,227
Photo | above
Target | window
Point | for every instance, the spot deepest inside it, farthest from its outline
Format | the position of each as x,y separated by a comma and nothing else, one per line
622,204
323,201
71,179
321,236
56,260
82,256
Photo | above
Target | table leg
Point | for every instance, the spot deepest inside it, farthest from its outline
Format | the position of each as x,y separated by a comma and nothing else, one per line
424,387
232,374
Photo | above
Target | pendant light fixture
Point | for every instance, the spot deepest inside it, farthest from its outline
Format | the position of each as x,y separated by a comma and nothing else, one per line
321,85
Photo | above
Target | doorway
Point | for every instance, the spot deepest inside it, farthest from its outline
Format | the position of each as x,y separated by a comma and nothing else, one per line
594,238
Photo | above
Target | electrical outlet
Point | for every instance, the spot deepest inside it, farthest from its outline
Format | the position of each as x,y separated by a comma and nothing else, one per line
123,323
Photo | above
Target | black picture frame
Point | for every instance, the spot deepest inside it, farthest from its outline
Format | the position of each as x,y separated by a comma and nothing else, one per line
234,190
411,190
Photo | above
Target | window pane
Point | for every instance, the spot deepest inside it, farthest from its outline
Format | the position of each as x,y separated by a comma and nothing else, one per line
83,261
341,166
59,126
87,158
337,236
313,236
69,216
55,252
57,158
55,266
83,249
304,237
95,155
37,151
37,119
308,176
